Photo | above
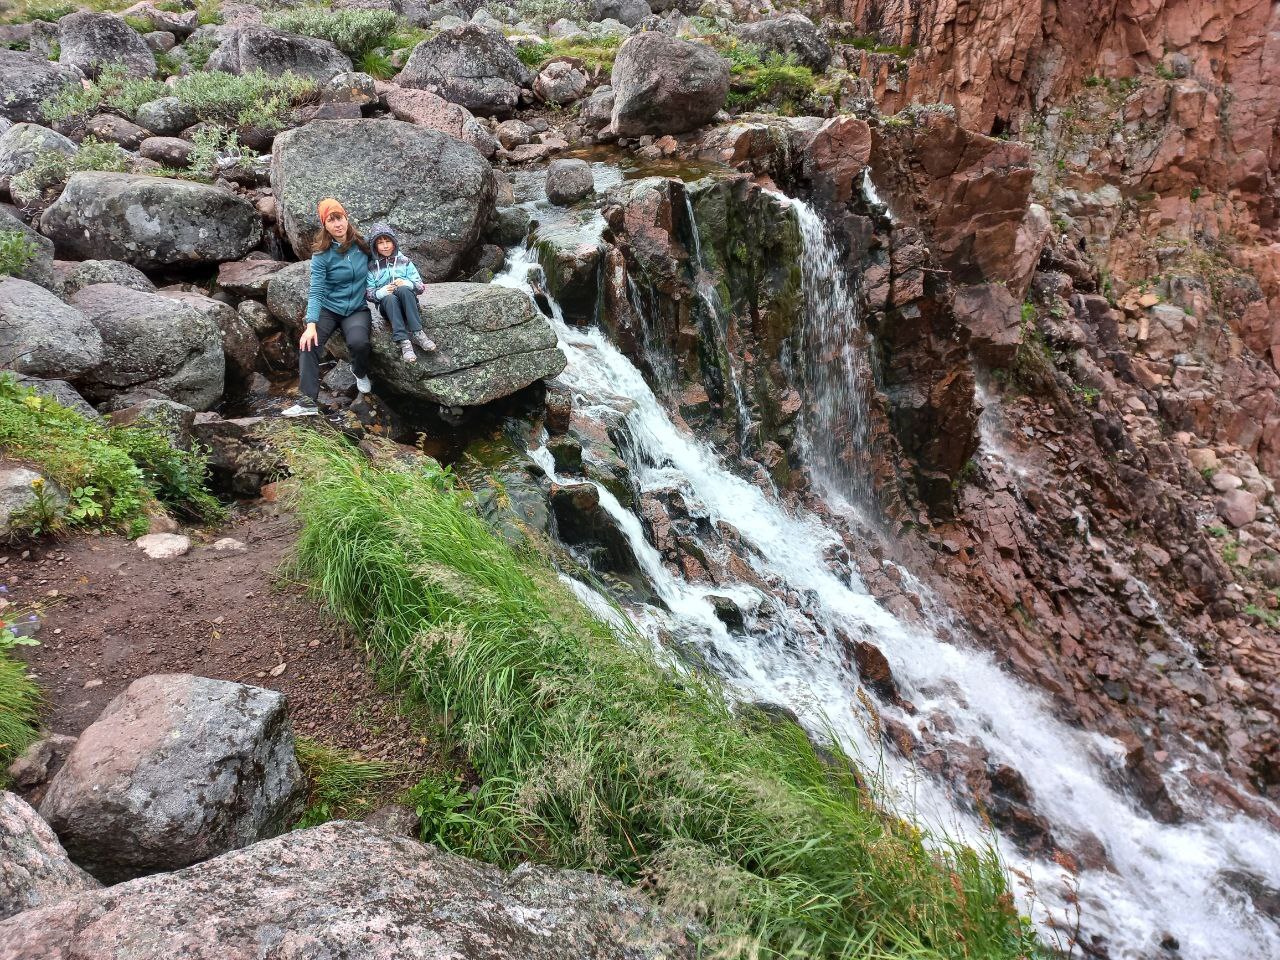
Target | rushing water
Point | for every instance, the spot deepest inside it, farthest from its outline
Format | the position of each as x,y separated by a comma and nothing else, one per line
1165,880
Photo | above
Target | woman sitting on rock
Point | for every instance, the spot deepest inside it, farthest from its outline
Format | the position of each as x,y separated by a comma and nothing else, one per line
339,274
394,284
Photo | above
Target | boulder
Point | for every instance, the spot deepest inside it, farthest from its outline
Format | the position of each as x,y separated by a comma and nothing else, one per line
42,336
663,85
40,268
18,496
177,769
164,546
166,116
152,341
90,41
180,23
994,320
560,83
597,112
168,151
568,181
628,12
248,278
437,190
241,458
1238,507
21,143
469,65
61,392
424,108
347,889
240,344
789,35
109,128
27,80
150,222
34,869
73,276
492,342
255,47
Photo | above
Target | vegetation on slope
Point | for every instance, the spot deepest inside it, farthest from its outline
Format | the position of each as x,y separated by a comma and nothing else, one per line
591,753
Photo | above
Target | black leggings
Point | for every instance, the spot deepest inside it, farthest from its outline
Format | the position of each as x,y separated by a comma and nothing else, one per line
355,330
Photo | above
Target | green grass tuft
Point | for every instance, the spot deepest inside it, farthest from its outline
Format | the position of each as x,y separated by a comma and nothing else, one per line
19,706
592,754
594,52
341,783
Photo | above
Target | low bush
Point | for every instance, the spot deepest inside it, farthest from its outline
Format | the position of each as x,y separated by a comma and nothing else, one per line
758,79
255,99
354,32
115,475
51,169
17,250
593,754
115,90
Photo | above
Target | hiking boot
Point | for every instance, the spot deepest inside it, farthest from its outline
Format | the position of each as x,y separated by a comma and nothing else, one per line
406,352
364,385
303,408
421,339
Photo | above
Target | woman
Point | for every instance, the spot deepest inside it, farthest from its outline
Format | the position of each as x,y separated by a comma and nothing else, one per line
339,272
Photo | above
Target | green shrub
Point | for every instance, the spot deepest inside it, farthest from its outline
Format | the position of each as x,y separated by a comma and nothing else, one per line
375,64
546,12
198,50
115,89
120,472
17,250
591,754
773,79
595,52
51,169
254,99
139,24
354,32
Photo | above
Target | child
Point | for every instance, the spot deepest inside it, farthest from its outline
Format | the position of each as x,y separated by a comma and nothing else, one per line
394,284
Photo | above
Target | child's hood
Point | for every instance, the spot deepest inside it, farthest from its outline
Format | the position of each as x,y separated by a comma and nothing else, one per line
379,230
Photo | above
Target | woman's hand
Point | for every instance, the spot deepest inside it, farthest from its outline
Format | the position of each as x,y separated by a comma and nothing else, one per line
309,337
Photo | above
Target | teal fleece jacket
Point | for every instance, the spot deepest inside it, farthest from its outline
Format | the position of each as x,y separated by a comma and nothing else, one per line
337,282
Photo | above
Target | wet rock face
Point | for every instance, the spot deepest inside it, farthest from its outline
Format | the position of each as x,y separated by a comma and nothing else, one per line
176,770
470,66
663,85
325,889
150,222
438,191
34,869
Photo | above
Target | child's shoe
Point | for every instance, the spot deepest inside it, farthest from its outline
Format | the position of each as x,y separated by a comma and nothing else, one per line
421,339
406,352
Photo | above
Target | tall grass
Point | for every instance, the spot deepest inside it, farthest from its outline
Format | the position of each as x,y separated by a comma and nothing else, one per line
19,709
592,755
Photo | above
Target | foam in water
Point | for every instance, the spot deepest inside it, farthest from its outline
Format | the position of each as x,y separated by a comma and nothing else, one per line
1165,879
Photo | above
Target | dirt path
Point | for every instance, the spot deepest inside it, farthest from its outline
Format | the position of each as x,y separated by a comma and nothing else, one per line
111,614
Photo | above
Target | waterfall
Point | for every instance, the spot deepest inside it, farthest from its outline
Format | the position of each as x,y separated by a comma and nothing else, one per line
1163,880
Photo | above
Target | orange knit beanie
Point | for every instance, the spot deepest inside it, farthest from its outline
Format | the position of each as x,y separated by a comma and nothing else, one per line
328,207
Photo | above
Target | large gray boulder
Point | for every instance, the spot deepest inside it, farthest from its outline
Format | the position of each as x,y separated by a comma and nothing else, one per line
257,47
347,889
491,341
436,190
568,181
176,770
26,80
152,341
240,343
74,275
90,41
34,869
629,12
21,143
470,65
791,34
40,268
150,222
42,336
665,85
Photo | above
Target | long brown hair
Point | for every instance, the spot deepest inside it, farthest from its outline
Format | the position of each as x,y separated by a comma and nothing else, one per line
321,243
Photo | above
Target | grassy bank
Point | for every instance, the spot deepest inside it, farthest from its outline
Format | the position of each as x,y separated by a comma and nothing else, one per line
591,755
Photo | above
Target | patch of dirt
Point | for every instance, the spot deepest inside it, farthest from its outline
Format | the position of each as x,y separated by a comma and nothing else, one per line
110,614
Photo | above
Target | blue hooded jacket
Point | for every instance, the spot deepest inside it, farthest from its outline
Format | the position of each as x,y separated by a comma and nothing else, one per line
384,270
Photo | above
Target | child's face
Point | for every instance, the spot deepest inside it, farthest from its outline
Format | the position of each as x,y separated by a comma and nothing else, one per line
385,246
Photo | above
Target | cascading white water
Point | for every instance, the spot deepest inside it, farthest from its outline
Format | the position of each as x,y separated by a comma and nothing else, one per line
1165,879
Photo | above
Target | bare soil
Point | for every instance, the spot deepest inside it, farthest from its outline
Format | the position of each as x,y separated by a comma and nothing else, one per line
110,614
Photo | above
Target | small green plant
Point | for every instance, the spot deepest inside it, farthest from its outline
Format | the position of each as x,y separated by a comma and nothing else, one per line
208,12
17,250
1089,395
594,52
1231,553
1028,312
354,32
139,24
255,99
1195,194
115,89
198,50
440,804
341,783
1217,530
212,147
51,169
1164,73
377,65
1270,618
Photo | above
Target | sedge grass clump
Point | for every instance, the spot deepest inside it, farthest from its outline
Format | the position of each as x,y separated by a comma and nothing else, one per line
115,475
341,783
592,753
19,699
593,52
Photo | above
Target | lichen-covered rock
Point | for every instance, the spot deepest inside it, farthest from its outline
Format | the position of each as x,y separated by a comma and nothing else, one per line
166,116
40,268
176,770
791,34
26,80
560,83
665,85
21,491
240,344
437,190
34,869
23,141
150,222
152,341
256,47
469,65
628,12
346,889
73,276
90,41
42,336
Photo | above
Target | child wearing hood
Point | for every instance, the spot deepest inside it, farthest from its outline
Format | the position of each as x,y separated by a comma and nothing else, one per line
394,284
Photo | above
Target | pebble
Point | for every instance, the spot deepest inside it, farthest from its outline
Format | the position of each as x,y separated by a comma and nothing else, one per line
278,669
228,543
163,546
91,684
